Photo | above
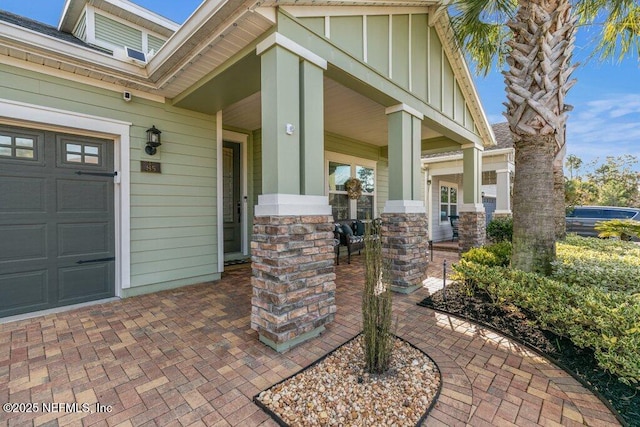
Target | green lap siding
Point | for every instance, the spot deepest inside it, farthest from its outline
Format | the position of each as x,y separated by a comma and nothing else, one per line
173,214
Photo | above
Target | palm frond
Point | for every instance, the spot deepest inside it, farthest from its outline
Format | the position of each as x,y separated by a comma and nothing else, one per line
480,30
620,22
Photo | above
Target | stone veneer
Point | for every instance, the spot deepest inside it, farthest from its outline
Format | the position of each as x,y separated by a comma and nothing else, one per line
471,230
405,247
293,278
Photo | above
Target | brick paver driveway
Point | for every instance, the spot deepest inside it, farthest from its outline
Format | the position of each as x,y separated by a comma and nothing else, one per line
189,357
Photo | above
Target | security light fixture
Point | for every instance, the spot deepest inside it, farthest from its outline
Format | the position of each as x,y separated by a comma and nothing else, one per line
153,140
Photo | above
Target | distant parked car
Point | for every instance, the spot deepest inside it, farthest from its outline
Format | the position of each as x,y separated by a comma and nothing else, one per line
582,219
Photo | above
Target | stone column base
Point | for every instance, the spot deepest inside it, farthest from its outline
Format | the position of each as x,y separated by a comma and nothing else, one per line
405,247
471,230
293,278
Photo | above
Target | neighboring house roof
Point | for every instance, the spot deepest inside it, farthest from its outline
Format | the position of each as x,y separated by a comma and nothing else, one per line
503,140
43,28
503,136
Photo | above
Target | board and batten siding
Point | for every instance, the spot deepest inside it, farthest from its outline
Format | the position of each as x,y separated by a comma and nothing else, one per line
403,48
173,214
117,33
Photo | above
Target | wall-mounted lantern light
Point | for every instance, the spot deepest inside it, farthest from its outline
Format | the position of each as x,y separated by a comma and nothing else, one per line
153,140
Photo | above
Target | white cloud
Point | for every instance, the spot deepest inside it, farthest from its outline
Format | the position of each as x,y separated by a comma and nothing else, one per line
605,127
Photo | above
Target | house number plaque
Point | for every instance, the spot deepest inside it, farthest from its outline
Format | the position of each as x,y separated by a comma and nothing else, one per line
151,167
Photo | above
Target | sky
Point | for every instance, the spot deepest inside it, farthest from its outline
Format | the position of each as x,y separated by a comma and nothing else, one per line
606,116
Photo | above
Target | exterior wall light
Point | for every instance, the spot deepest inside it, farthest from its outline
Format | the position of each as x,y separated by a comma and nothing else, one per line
153,140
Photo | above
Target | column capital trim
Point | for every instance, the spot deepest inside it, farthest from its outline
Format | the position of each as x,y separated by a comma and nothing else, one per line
292,205
293,47
404,206
503,170
471,207
472,145
405,108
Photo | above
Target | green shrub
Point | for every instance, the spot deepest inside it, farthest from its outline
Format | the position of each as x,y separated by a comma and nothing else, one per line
481,256
604,264
497,254
606,321
500,229
624,229
502,250
605,245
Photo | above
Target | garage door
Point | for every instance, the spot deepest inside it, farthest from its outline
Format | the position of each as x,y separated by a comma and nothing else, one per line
57,233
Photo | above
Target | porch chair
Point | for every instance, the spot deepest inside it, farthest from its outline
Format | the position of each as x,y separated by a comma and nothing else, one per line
454,220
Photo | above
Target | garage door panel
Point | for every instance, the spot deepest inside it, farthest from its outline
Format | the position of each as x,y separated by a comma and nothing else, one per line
57,227
22,194
84,239
25,291
85,282
84,196
26,242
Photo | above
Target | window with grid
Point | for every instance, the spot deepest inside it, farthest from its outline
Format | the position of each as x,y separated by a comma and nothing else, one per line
448,201
339,170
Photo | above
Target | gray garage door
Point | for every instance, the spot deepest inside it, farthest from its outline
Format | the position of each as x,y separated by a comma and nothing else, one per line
56,220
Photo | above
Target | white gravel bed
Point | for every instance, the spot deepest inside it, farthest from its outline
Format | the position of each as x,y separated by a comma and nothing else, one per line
338,392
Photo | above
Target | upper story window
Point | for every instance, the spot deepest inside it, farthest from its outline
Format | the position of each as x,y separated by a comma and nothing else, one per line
113,33
339,170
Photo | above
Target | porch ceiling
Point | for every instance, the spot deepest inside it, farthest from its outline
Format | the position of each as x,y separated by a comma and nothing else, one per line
346,113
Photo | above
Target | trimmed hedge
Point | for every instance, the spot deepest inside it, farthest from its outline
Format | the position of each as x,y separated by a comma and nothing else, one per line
606,264
606,321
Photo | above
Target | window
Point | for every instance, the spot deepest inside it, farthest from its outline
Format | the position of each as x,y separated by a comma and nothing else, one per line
18,147
82,153
448,201
339,170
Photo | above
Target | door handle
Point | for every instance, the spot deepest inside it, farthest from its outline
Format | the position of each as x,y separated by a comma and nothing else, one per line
239,210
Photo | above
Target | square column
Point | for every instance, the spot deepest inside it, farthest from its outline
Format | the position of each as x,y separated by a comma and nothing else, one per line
312,129
280,121
292,82
292,254
503,193
404,152
472,225
404,220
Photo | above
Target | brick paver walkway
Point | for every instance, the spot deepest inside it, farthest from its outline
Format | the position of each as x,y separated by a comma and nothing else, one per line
189,357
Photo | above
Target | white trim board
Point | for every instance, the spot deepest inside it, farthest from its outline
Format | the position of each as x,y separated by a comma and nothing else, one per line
14,113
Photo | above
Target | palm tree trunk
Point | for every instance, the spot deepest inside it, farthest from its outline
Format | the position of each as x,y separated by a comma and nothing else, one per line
537,82
559,198
533,205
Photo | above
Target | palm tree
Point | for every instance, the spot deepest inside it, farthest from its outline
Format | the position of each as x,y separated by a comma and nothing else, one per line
535,39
